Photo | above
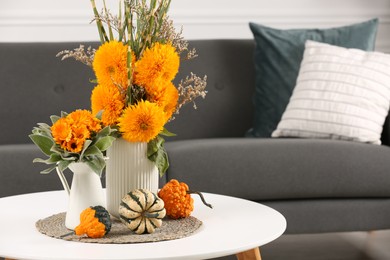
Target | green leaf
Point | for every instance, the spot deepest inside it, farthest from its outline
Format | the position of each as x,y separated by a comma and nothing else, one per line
71,157
39,160
65,155
161,160
54,158
97,164
99,114
94,81
43,126
103,143
43,142
54,118
64,114
36,131
87,143
104,132
62,165
48,170
157,154
165,132
154,145
92,151
43,129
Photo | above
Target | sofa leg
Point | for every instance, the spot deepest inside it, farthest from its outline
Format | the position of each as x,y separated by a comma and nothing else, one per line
252,254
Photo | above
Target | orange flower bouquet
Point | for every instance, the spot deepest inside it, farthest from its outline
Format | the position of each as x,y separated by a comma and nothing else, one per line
74,137
135,65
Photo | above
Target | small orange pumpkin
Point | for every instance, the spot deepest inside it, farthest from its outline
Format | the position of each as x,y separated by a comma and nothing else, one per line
95,222
177,199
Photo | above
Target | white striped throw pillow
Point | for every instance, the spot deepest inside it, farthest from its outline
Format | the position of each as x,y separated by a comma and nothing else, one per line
340,94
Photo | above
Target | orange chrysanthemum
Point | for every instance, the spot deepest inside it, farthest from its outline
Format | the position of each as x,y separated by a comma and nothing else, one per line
81,133
167,99
161,62
85,119
109,100
72,131
61,131
110,64
74,145
142,122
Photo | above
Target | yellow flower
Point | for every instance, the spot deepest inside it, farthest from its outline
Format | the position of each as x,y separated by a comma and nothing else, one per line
109,100
155,88
141,122
110,64
161,62
167,99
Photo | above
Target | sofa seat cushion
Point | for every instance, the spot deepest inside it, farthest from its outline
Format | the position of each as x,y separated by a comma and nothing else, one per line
333,215
278,169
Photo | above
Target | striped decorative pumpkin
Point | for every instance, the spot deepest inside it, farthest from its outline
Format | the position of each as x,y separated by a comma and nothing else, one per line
142,211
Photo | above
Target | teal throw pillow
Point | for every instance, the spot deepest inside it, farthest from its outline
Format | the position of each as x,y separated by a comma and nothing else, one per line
277,58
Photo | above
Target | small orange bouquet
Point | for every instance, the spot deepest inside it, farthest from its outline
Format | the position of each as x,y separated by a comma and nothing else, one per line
74,137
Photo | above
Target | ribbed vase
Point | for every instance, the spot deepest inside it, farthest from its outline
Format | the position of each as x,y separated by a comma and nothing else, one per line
128,168
86,191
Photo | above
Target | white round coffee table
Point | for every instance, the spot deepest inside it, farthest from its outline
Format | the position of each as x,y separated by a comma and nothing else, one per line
232,226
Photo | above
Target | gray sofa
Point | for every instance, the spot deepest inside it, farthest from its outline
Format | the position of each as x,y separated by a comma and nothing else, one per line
318,185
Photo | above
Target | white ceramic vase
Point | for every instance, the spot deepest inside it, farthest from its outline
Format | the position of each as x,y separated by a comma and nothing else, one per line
128,168
86,191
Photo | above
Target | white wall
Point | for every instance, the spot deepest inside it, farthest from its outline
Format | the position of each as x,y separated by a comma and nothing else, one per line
68,20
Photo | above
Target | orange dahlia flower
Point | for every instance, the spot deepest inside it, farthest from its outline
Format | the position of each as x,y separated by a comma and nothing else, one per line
141,122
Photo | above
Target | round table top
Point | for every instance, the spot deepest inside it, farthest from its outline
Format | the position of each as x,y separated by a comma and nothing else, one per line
233,225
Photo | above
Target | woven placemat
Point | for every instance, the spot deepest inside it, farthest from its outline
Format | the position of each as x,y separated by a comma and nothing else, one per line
54,226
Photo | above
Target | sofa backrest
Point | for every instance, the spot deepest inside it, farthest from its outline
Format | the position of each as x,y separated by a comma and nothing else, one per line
34,84
227,110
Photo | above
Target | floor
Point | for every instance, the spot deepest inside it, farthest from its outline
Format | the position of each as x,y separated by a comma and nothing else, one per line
334,246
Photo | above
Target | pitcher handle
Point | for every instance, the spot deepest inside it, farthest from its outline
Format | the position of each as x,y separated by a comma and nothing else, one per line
63,180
